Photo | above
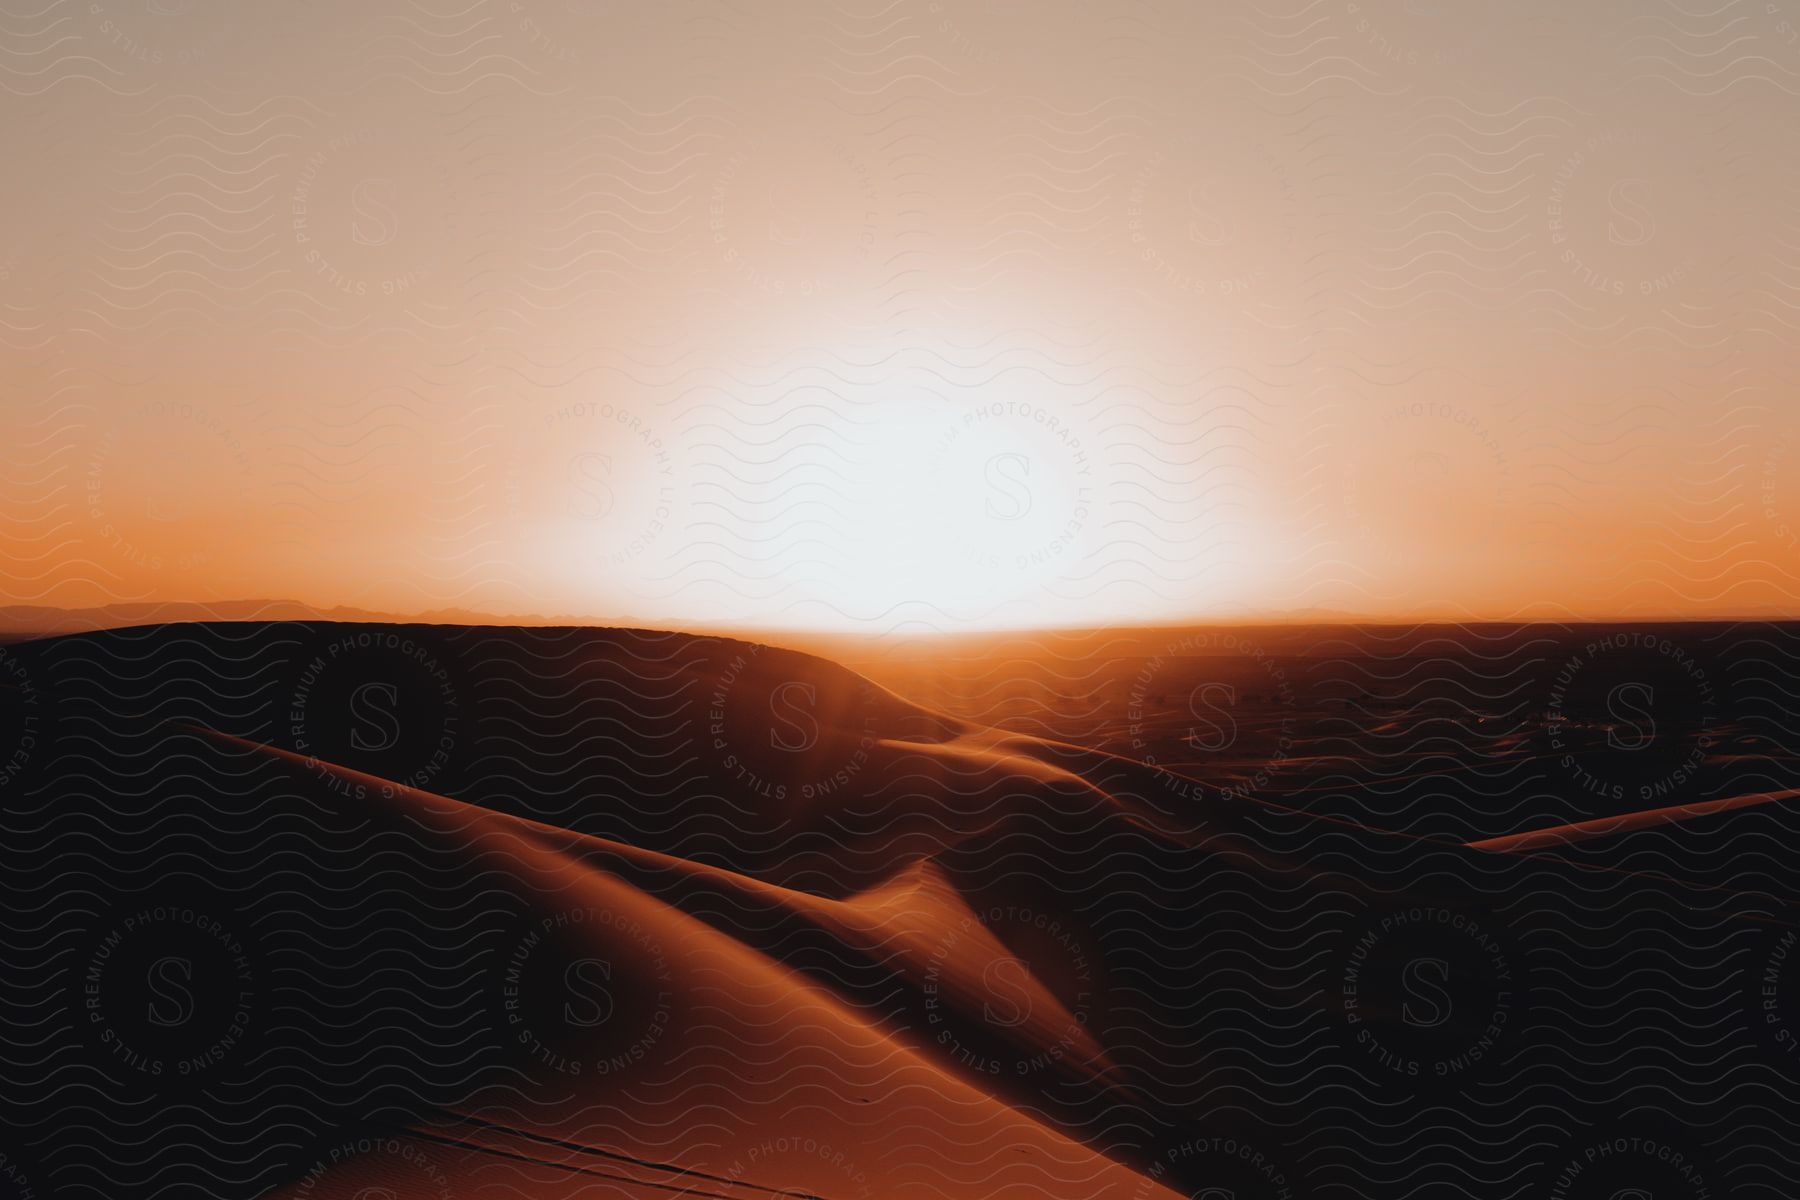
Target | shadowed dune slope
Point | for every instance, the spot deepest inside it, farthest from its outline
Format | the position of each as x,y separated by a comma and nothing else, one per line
687,1025
472,911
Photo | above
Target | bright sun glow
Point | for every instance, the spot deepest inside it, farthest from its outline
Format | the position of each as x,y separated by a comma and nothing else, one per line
954,489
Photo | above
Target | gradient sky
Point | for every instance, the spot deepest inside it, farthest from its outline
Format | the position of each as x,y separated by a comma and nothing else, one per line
904,313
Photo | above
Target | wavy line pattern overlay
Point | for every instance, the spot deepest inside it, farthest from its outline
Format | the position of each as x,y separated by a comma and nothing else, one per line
1234,565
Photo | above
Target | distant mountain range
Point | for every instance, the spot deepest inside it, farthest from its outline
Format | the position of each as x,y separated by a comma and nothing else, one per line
19,621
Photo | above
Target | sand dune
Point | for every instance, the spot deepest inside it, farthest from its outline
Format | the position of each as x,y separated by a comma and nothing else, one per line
480,911
839,1100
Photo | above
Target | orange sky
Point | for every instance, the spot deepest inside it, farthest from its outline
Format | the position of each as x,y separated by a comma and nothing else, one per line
903,313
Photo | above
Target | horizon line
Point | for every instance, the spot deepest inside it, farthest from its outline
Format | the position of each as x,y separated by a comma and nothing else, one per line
121,614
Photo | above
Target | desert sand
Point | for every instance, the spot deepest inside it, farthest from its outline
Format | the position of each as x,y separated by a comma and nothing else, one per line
478,911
